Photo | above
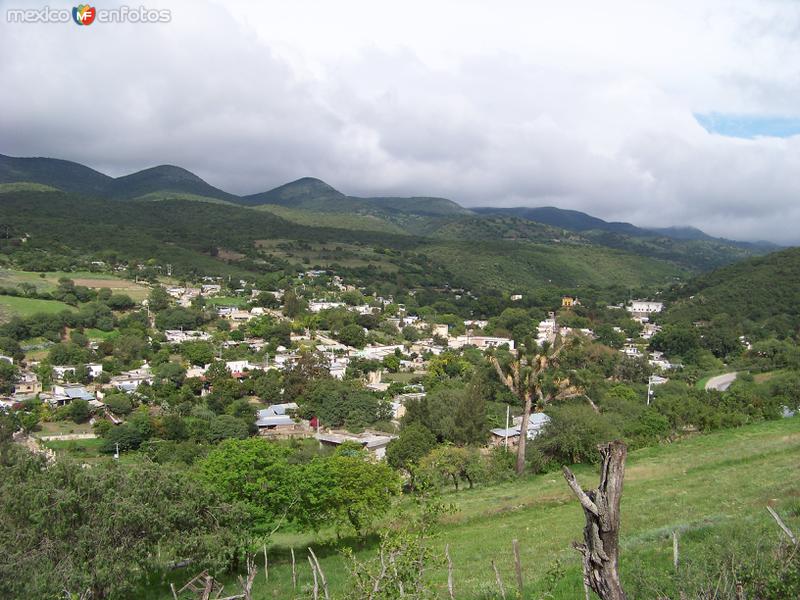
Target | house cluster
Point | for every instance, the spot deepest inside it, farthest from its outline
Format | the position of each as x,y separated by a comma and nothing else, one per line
509,436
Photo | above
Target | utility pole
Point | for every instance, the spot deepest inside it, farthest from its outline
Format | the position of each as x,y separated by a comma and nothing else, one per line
508,415
116,454
649,389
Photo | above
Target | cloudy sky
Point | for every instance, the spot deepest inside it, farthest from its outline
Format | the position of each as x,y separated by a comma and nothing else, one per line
678,113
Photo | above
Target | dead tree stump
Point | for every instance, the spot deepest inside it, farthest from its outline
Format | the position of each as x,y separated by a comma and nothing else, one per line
600,549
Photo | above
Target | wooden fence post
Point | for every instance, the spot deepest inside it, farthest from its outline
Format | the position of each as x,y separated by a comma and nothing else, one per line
315,590
449,572
499,581
294,572
518,567
675,550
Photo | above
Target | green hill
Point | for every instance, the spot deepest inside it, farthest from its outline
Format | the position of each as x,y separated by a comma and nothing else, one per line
756,296
192,236
61,174
164,179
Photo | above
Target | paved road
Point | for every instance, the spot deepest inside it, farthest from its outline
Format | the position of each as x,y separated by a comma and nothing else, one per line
721,382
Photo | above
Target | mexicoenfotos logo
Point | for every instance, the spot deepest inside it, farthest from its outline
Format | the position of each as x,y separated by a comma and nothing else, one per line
84,14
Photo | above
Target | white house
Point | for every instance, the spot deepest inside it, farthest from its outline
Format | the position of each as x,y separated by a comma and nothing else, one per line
316,306
375,443
480,341
645,307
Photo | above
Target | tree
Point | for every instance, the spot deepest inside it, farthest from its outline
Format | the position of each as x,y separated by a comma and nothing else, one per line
8,377
106,528
78,411
470,423
125,437
158,299
309,367
255,472
352,334
573,434
362,490
292,304
227,426
336,403
405,452
197,353
119,404
454,464
533,377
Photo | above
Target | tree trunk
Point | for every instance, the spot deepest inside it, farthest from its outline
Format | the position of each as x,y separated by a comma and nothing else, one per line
600,549
523,433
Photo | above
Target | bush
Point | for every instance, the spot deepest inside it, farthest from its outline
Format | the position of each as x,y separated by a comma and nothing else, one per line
78,411
126,435
119,404
573,433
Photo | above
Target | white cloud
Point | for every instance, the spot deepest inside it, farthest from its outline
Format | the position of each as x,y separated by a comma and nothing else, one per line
582,105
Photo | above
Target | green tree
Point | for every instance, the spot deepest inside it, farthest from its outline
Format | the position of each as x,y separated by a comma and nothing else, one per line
256,473
573,434
78,410
106,528
362,490
352,334
452,463
119,404
405,452
158,299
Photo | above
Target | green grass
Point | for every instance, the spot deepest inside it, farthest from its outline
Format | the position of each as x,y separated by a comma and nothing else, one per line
700,486
15,306
226,301
79,449
48,281
99,334
62,428
25,186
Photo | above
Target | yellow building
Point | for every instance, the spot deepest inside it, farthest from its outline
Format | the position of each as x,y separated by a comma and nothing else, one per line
568,301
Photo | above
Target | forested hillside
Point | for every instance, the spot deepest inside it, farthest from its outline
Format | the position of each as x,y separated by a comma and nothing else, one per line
758,296
209,238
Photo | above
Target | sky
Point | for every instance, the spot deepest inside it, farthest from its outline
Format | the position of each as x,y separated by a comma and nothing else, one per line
655,113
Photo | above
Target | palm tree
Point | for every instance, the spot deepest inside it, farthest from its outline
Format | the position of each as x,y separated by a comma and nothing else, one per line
533,378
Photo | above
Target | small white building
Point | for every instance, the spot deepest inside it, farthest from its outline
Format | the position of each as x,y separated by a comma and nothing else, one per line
645,307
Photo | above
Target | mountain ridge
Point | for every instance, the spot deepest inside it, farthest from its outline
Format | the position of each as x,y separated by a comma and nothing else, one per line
415,214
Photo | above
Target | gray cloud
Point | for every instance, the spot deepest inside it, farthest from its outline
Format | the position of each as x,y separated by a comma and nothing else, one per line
531,106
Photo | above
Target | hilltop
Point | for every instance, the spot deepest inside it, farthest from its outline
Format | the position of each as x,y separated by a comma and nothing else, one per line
312,202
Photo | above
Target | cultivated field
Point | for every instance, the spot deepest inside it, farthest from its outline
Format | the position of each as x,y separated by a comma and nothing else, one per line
46,282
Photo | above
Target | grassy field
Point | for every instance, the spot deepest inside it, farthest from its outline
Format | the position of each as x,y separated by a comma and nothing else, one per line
46,282
61,428
226,301
15,306
700,486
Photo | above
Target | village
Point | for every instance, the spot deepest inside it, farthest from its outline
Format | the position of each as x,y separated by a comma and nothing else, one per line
410,341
